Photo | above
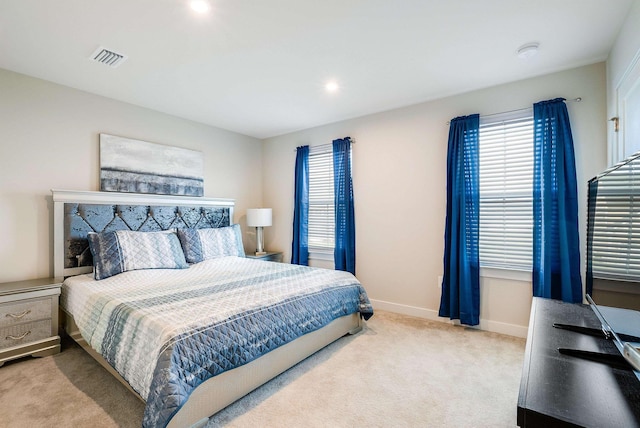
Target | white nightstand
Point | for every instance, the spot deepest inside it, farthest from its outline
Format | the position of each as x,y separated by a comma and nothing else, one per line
270,256
29,318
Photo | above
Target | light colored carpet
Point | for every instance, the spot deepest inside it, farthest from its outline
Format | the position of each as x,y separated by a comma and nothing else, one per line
400,371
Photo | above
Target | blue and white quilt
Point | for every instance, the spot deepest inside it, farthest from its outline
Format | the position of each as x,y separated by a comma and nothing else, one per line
167,331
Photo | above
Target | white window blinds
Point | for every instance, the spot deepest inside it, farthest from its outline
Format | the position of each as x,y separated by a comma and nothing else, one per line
506,190
614,224
321,200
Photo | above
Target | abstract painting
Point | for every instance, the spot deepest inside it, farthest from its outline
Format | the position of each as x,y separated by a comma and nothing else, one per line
136,166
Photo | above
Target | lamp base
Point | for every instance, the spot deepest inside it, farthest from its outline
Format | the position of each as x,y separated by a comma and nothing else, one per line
259,242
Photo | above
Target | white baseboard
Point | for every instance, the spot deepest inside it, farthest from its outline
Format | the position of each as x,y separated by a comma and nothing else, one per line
430,314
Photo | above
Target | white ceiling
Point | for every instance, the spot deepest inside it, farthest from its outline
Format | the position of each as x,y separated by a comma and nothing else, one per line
258,67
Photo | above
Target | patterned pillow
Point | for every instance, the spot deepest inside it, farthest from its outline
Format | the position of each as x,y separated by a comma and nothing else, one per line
125,250
204,244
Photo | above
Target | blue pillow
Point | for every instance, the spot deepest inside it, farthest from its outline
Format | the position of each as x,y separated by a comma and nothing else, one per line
205,244
125,250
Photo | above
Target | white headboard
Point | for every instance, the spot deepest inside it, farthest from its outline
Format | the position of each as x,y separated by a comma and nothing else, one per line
76,213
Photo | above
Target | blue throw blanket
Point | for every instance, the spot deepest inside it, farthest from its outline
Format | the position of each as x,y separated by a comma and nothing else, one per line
166,332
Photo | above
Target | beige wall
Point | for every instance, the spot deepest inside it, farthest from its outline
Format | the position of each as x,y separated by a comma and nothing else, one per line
623,70
49,139
624,51
399,173
624,56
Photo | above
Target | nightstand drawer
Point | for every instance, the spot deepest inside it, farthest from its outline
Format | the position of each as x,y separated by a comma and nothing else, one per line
24,333
29,318
24,311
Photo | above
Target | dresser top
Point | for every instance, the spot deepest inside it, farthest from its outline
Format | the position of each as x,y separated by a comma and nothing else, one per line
29,285
560,390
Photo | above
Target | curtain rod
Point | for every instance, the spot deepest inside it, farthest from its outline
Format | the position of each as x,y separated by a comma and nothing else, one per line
318,146
573,100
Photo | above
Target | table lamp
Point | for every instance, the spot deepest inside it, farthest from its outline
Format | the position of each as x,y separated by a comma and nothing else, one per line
259,218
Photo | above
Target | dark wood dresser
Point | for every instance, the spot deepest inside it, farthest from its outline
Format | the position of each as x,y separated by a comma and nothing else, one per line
564,391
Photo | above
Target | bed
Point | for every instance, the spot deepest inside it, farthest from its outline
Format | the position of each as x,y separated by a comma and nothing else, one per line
188,338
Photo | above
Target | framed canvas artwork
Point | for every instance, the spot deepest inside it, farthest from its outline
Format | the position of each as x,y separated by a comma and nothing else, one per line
136,166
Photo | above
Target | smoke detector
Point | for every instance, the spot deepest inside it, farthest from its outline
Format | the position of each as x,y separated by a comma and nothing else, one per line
527,51
108,57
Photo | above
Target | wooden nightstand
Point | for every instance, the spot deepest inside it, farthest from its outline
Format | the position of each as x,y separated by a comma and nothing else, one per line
270,256
29,318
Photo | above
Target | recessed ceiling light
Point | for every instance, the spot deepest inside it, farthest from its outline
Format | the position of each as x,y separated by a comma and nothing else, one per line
528,50
332,86
200,6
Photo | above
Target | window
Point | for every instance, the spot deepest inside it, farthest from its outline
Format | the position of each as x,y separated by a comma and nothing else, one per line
321,200
613,235
506,190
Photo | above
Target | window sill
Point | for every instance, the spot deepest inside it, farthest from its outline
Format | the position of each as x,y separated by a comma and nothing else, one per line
510,274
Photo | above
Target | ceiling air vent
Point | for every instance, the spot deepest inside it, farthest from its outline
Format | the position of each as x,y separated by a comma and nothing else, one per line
108,57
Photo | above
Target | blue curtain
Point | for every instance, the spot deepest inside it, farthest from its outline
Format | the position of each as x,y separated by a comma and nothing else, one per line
300,246
344,254
556,249
461,281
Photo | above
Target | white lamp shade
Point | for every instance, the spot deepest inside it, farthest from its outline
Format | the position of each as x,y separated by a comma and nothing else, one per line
259,217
